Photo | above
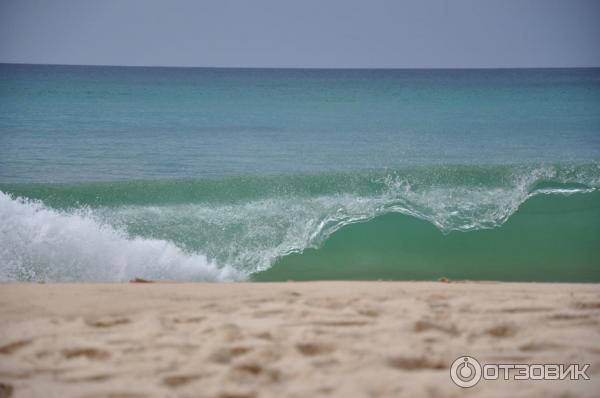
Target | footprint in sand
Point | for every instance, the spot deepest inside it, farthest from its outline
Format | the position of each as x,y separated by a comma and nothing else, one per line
587,305
237,395
243,371
502,330
13,347
536,346
6,390
107,322
180,380
425,325
568,317
312,349
224,355
415,363
90,353
518,310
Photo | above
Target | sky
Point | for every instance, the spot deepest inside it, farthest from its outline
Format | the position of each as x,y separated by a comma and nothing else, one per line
303,33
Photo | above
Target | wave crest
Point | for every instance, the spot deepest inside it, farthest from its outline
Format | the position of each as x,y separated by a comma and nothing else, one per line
39,243
230,228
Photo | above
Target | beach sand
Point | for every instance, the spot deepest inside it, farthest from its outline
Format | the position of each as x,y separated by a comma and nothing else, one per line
315,339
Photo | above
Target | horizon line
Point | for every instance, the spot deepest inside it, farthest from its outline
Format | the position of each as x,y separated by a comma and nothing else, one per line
307,67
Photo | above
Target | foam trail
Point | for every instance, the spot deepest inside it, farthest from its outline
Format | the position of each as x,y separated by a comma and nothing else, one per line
37,243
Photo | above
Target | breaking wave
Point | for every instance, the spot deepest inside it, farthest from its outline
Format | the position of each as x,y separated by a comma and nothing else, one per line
230,228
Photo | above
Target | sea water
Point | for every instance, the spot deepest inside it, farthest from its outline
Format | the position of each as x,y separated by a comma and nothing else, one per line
111,173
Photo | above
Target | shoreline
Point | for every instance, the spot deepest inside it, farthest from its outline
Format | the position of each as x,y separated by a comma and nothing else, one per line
273,339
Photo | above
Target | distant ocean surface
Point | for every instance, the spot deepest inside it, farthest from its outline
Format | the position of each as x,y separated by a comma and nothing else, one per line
112,173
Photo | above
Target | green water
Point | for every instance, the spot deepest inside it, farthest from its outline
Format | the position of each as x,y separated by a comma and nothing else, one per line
548,239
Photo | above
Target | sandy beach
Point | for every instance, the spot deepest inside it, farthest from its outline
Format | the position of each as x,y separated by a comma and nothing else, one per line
342,339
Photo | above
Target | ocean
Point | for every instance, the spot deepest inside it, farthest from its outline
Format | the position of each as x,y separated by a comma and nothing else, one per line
211,174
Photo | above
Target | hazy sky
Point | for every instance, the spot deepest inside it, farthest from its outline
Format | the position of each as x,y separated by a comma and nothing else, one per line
302,33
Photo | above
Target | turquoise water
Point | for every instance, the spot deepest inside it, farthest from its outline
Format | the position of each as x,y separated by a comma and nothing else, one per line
110,173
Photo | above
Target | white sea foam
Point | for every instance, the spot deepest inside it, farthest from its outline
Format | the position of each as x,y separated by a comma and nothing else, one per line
38,243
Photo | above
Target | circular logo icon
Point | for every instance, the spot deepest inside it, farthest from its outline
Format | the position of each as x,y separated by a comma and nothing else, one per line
465,372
